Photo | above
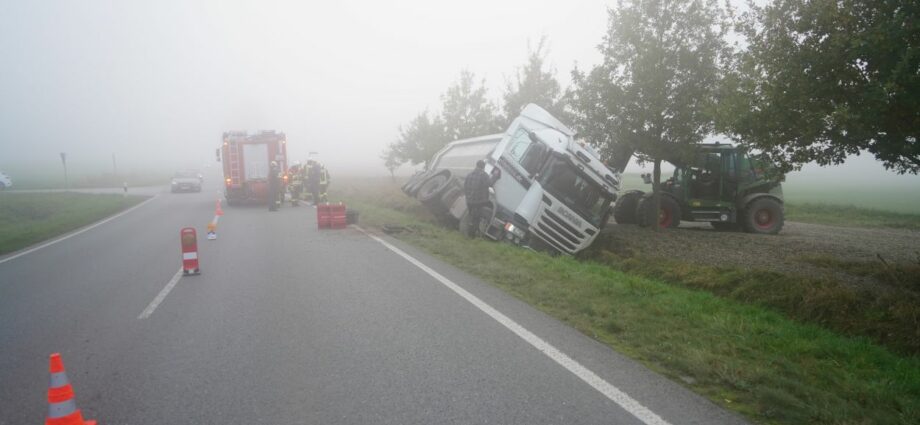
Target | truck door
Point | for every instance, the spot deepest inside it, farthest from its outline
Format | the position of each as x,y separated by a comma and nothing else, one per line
516,177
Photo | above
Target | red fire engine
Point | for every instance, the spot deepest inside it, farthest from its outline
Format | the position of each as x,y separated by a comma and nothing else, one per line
247,159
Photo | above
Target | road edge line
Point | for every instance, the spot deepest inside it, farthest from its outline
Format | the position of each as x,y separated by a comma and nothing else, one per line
613,393
75,232
161,296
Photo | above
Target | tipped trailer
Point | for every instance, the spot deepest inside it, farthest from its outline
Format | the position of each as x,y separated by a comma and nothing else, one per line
554,193
246,162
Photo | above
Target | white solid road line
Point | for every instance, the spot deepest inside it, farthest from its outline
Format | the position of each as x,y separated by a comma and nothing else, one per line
161,296
85,229
611,392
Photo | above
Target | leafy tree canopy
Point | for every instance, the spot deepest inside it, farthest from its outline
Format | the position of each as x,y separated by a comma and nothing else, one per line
824,79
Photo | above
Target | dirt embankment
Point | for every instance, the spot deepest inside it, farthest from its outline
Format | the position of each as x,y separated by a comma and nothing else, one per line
786,252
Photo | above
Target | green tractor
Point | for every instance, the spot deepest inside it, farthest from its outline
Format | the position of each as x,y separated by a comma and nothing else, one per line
722,185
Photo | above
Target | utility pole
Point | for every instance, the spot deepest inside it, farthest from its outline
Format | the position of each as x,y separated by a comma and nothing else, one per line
64,161
114,166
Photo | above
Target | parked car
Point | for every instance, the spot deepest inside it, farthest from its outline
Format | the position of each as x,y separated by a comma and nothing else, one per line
185,181
5,181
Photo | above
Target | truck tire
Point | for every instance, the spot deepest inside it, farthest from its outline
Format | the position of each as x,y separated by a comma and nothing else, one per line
668,215
411,186
764,216
624,211
464,224
433,187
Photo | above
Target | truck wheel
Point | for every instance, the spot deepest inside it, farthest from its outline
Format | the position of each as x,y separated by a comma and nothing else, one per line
433,187
411,186
624,211
763,215
668,214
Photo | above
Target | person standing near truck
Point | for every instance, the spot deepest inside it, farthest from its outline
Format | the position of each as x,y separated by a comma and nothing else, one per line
314,175
476,188
274,185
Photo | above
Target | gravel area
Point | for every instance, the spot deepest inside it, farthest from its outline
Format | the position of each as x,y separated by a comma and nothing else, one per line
700,243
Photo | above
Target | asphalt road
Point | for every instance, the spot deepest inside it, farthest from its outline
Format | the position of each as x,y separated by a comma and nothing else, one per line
289,324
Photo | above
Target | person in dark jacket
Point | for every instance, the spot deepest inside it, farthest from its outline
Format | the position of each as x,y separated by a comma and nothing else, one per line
476,188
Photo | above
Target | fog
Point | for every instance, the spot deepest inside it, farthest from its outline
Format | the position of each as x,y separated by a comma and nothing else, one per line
156,83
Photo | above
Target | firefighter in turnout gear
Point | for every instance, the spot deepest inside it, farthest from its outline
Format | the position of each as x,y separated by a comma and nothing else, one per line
317,181
296,183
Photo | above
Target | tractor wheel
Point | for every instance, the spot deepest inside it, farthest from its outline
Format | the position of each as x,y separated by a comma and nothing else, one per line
763,215
624,211
668,214
434,187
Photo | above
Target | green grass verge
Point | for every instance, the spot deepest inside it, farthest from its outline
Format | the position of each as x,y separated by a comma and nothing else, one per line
745,357
29,218
889,317
843,215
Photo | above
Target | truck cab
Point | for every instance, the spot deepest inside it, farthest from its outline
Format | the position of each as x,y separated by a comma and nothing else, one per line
554,192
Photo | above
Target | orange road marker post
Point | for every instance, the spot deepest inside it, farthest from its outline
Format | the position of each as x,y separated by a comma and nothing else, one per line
189,240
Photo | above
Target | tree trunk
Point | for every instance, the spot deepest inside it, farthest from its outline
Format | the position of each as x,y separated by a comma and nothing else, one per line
656,195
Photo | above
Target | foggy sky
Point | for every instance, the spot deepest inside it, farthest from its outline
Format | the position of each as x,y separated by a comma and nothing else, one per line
156,83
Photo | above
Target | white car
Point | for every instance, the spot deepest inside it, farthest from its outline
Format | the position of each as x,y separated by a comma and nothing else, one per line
5,181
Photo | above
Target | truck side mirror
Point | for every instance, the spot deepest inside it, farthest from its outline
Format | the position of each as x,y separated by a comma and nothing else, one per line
217,152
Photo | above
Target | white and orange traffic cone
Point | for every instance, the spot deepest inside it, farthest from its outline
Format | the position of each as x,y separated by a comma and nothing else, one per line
62,408
218,211
212,230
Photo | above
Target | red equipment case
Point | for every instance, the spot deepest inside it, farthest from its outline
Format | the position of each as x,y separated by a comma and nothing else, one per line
331,216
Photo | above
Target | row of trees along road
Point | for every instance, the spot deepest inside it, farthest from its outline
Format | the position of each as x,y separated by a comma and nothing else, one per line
801,81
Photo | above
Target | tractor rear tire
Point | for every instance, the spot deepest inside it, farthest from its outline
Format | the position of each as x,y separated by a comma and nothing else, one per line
624,211
668,215
764,216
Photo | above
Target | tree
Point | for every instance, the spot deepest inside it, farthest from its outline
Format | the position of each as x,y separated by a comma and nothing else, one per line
391,160
417,142
824,79
467,111
533,83
655,91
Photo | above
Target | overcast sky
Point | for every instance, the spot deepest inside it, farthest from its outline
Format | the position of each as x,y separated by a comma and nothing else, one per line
157,82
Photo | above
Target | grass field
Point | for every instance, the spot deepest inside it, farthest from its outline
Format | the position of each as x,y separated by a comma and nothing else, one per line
743,356
29,218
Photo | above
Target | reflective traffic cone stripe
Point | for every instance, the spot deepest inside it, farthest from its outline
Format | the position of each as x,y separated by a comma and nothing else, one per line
62,408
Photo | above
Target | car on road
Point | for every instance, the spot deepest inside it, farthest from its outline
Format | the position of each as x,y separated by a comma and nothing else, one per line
186,181
5,181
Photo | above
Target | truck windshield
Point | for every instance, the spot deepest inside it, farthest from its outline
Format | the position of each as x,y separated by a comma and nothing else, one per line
587,198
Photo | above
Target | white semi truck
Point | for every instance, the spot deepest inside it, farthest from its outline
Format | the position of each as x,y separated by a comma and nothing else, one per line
554,193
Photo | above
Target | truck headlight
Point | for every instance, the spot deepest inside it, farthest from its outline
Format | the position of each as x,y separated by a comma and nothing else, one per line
514,230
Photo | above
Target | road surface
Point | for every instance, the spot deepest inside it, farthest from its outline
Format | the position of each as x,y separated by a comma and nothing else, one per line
289,324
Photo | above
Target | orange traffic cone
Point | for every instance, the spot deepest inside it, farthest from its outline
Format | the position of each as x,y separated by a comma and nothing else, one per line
62,408
218,211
